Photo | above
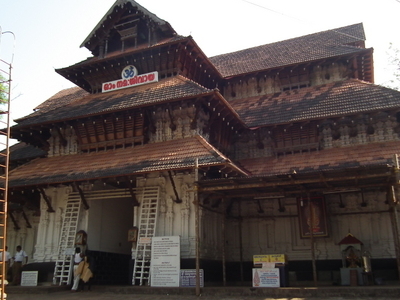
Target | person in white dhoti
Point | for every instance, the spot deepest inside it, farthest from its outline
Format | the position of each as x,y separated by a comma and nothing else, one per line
78,257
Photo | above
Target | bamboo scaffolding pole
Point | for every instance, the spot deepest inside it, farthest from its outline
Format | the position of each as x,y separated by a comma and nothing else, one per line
240,244
312,241
197,226
223,243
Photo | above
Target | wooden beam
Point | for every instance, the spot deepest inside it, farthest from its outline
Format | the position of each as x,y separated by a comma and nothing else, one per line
96,135
63,141
28,225
46,199
114,127
82,195
177,200
193,123
133,195
153,127
84,126
42,141
292,182
228,208
281,206
172,124
78,134
16,227
103,124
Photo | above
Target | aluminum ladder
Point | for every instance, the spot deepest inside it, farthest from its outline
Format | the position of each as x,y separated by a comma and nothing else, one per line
64,263
147,229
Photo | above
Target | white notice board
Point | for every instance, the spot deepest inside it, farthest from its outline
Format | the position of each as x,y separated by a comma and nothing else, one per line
165,261
266,277
29,278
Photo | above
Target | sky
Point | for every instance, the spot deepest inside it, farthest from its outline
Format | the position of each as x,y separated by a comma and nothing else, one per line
48,33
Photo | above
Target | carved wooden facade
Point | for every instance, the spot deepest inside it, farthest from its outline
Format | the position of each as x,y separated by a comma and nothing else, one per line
266,127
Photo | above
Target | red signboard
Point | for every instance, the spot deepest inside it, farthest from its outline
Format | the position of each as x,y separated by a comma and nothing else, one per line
130,82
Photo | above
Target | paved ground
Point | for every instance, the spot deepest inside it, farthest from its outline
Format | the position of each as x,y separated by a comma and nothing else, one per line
108,296
101,295
382,292
111,296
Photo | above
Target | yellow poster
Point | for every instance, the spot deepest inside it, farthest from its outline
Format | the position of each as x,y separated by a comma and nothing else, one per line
259,259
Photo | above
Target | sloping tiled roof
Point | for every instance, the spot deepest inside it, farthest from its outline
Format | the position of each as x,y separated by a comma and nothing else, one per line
324,160
170,155
329,100
23,151
117,53
73,106
330,43
62,98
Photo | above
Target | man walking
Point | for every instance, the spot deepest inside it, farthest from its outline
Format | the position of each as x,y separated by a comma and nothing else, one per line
19,258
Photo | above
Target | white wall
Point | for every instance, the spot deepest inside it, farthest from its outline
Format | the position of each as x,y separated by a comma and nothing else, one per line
274,232
108,223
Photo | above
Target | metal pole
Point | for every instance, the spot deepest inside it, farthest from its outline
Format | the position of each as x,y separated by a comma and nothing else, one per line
240,243
393,204
223,244
394,218
314,266
197,227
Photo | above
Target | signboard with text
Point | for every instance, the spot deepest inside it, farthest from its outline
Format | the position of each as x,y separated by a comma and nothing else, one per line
165,261
188,278
130,82
260,259
29,278
266,277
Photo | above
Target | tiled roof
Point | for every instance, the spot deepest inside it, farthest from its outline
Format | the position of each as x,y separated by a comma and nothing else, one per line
62,98
170,155
329,100
22,151
324,160
330,43
73,106
128,51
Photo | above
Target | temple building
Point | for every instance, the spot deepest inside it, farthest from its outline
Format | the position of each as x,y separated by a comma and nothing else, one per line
280,149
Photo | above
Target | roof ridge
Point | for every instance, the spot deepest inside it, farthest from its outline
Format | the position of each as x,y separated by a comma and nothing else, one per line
186,79
298,37
208,146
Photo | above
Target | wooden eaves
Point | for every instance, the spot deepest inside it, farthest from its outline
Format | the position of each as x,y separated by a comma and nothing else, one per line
297,184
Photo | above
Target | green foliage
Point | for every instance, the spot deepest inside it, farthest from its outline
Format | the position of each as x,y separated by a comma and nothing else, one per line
3,90
3,95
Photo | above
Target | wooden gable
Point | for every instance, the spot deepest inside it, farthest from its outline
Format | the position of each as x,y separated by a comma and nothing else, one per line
127,24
